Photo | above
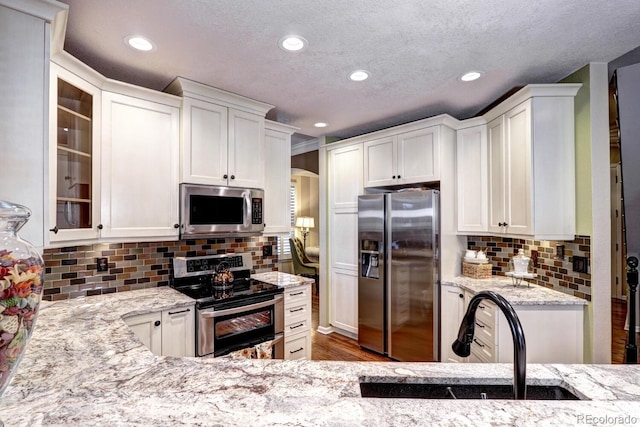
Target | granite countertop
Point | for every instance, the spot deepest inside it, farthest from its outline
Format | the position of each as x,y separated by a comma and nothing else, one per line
84,366
516,295
284,280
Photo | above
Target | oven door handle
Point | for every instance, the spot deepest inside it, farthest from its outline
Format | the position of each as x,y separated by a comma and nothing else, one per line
237,310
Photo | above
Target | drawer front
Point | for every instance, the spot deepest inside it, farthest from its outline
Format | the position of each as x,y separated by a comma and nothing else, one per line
486,312
482,350
296,313
303,325
485,331
297,347
296,296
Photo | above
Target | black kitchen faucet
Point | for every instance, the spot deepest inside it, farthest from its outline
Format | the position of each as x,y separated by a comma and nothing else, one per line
462,345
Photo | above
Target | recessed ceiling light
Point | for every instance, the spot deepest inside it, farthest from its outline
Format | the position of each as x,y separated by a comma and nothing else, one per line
139,43
470,76
320,125
359,75
292,43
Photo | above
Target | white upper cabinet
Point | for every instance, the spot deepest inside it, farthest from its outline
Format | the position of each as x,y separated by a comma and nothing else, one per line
204,142
531,163
74,157
403,158
277,180
139,172
222,136
471,179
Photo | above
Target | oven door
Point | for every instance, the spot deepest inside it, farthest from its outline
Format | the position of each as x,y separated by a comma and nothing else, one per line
240,324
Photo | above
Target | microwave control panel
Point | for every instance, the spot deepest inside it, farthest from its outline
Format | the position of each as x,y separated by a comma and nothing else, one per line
256,210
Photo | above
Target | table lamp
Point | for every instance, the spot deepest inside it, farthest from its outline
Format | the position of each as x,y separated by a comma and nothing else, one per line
305,223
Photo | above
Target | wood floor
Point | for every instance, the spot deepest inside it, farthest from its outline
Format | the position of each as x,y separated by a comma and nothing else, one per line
618,334
335,346
338,347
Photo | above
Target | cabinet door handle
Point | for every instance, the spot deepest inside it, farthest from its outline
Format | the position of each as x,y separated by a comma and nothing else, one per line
394,177
233,177
399,176
297,326
481,307
479,325
478,342
296,310
55,229
176,225
295,351
157,323
100,226
171,313
225,176
461,296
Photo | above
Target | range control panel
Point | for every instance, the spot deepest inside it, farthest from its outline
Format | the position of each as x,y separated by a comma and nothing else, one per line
201,265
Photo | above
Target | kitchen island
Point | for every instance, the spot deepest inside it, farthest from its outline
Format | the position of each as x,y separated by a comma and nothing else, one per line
84,366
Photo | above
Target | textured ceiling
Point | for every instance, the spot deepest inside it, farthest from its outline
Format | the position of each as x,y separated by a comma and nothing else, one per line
414,50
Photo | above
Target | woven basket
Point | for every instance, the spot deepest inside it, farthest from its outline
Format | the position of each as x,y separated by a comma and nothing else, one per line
476,271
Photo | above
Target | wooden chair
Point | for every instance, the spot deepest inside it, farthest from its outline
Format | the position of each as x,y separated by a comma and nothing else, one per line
302,265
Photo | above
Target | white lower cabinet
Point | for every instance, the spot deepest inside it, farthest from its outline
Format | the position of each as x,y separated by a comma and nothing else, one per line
148,329
451,313
178,332
553,333
167,332
297,322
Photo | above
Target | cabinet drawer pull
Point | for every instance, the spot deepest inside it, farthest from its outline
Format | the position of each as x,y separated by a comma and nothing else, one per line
478,342
171,313
296,293
297,326
295,351
479,325
296,309
481,307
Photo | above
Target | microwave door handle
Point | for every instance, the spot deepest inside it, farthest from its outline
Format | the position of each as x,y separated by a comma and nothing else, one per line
237,310
247,208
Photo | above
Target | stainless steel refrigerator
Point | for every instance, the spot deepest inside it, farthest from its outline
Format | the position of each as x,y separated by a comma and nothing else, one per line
399,277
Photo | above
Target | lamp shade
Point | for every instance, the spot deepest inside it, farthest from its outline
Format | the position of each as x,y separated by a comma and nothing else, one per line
305,222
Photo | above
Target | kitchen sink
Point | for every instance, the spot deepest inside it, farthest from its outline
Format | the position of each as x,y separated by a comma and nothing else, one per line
461,391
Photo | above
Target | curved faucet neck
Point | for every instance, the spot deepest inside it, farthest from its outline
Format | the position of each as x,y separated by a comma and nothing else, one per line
462,345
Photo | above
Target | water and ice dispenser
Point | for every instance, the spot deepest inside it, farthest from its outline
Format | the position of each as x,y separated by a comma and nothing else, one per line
370,258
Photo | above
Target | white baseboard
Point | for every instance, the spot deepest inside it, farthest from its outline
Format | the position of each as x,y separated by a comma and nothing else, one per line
325,330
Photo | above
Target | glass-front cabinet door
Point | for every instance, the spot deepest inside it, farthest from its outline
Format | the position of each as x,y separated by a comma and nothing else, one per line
74,138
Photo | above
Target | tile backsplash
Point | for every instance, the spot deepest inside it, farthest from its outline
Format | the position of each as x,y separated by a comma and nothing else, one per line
554,271
72,272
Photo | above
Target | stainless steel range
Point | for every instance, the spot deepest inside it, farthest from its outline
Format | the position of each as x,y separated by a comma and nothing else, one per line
230,316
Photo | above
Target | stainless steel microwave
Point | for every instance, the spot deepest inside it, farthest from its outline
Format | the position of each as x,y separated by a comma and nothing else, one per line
212,211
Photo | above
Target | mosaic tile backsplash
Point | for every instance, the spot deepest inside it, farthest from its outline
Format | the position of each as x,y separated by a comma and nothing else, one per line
554,269
71,272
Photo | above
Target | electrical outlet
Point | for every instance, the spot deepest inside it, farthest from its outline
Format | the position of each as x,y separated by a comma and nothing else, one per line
267,250
534,258
102,264
560,251
580,264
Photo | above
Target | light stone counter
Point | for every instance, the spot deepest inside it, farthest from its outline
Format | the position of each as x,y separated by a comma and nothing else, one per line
284,280
516,295
85,367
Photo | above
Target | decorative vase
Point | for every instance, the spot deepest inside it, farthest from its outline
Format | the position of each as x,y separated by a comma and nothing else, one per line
21,283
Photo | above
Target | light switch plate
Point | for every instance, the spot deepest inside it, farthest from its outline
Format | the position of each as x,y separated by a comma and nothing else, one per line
580,264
